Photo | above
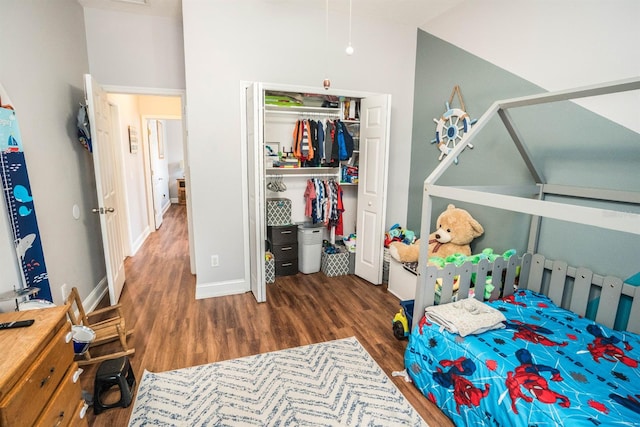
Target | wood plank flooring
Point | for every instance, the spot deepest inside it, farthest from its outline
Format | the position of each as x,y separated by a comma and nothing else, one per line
174,330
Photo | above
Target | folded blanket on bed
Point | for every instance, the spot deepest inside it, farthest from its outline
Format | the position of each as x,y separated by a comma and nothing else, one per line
465,317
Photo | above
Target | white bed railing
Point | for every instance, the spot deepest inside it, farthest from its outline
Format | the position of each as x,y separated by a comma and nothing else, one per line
568,287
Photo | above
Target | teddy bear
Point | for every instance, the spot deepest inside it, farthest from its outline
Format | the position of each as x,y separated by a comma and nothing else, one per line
456,229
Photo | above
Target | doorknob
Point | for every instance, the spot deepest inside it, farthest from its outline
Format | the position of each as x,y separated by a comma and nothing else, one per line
102,210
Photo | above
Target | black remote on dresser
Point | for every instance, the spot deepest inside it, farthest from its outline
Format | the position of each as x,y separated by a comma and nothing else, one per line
17,324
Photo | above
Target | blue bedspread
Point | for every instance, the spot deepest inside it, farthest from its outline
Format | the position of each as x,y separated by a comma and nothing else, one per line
548,367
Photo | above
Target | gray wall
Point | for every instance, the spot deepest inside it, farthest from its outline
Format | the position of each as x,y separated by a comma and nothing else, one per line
43,60
570,144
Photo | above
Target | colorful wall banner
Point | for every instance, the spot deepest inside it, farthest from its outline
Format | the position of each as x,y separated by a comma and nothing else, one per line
18,196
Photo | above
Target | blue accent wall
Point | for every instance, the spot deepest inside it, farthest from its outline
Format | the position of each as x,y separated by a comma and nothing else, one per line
569,144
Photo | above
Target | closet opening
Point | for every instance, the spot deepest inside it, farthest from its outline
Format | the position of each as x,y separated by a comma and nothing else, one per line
315,159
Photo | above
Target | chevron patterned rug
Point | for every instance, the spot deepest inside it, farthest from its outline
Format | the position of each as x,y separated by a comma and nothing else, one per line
336,383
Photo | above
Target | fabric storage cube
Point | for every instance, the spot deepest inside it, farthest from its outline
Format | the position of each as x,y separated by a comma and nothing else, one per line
270,270
278,211
352,263
335,264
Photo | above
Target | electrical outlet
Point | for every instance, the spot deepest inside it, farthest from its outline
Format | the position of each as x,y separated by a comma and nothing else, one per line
64,290
215,261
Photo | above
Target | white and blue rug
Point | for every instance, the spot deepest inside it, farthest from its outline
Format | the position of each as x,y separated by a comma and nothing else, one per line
336,383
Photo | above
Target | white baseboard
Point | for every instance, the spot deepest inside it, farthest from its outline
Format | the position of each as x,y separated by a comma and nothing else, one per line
220,289
93,299
135,246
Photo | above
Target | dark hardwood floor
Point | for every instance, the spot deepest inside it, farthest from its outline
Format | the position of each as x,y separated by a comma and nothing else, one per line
174,330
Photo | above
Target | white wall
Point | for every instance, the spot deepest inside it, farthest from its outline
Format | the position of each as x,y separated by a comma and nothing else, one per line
128,49
555,44
133,169
228,42
43,59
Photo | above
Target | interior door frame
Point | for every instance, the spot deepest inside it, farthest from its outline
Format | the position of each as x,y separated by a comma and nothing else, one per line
185,143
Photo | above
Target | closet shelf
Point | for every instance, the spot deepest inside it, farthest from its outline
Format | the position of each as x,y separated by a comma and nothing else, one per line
276,109
324,171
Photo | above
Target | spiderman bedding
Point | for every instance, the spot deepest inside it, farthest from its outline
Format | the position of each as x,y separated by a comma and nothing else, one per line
546,367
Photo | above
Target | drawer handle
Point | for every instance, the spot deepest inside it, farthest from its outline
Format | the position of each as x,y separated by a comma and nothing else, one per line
76,375
287,264
68,337
286,249
286,232
83,411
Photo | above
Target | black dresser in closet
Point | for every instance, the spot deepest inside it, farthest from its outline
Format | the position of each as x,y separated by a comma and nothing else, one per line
284,246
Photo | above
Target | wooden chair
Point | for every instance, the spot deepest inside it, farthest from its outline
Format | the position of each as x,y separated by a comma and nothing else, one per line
109,326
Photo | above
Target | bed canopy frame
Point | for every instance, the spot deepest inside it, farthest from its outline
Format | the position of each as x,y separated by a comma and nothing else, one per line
530,199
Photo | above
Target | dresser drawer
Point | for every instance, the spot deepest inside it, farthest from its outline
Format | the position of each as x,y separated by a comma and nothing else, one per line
64,402
79,417
281,235
285,252
31,392
287,268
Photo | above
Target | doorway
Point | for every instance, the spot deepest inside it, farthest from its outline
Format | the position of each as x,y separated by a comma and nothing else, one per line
166,161
143,152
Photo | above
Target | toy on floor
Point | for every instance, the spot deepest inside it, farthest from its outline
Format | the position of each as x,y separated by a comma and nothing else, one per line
403,319
456,229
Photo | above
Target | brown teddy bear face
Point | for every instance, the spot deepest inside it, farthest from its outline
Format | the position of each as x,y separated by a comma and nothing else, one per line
457,226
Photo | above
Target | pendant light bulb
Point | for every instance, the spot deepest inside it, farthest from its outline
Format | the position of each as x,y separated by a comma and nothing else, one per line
349,50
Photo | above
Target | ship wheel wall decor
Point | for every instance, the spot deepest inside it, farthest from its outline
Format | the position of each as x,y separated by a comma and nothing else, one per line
452,127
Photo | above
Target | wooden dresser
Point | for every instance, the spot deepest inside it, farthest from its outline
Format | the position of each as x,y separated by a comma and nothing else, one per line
39,381
182,191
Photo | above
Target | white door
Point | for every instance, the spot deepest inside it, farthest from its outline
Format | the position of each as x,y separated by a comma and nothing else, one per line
157,182
372,186
255,172
106,185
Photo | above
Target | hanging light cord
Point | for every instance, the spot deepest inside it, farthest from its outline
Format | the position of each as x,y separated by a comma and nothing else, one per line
326,82
350,22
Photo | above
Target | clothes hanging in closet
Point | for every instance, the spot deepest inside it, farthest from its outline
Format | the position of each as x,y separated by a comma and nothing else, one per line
323,203
302,144
341,147
318,144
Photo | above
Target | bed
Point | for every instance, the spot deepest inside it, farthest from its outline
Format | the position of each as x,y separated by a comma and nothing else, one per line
556,358
548,366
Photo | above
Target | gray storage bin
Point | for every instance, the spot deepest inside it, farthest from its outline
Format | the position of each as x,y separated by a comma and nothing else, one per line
278,211
309,247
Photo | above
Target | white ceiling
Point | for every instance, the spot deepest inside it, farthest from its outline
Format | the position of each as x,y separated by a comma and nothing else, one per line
410,12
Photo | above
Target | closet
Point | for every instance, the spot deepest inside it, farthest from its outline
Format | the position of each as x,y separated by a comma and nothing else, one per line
272,113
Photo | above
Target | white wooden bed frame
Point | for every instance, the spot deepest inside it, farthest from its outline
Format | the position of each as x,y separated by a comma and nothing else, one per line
567,286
